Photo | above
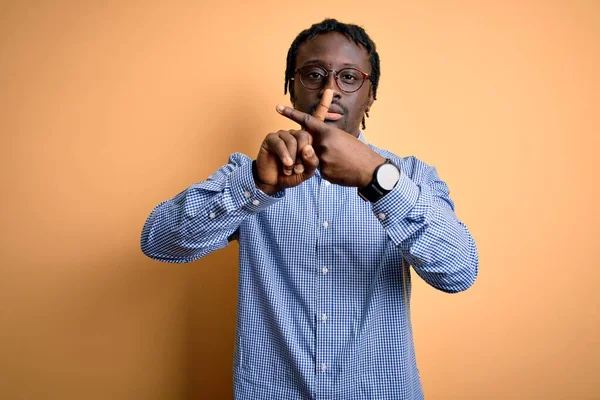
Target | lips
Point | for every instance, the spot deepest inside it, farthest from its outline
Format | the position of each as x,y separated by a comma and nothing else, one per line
332,116
335,113
335,109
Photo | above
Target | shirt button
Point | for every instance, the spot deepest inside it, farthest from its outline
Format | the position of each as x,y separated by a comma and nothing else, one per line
255,202
325,270
325,224
211,215
324,367
247,194
381,216
324,318
327,183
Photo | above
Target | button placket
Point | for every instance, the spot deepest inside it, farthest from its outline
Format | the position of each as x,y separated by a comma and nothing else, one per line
326,205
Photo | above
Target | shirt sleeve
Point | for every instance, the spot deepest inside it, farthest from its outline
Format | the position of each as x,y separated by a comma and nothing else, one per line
205,216
418,216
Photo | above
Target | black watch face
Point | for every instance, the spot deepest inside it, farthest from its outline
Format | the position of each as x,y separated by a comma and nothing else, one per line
387,176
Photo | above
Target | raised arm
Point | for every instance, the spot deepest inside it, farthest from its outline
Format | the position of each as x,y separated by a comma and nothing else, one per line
205,216
417,214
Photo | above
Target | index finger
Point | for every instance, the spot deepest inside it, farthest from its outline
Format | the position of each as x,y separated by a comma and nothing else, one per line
324,104
307,121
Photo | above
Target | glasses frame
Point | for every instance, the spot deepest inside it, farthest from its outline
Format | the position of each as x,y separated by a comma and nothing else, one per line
335,76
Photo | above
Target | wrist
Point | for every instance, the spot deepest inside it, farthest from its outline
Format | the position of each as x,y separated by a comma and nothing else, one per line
385,178
267,189
369,169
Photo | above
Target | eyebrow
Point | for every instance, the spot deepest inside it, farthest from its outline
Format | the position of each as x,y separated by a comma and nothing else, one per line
322,63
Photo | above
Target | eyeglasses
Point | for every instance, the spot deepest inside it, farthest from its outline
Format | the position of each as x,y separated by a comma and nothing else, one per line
314,77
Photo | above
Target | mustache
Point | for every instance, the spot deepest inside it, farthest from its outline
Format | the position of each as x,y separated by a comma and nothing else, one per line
314,107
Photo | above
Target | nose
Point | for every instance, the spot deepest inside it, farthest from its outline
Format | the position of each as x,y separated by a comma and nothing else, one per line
330,83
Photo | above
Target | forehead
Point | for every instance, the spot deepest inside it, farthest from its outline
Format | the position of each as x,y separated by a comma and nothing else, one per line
334,50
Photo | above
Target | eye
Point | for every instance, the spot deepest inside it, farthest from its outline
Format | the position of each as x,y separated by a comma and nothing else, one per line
315,75
350,76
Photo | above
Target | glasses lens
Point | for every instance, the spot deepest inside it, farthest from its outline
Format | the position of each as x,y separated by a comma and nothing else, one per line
350,79
312,76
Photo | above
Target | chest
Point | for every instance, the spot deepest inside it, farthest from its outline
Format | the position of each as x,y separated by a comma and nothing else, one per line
323,220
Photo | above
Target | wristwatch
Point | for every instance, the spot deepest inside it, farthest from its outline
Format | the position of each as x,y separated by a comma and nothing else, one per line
385,177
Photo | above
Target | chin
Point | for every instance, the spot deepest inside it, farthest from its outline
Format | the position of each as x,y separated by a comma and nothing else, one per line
343,125
340,124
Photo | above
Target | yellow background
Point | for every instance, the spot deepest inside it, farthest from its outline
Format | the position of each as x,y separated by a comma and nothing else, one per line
108,108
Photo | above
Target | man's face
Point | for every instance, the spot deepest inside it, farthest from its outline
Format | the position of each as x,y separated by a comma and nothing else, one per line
334,51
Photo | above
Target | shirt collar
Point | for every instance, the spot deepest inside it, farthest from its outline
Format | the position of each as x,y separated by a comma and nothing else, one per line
361,137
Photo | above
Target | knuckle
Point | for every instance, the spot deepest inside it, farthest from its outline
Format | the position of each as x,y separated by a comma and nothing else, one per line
306,119
300,137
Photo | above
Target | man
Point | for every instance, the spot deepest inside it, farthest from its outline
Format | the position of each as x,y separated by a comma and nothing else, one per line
327,227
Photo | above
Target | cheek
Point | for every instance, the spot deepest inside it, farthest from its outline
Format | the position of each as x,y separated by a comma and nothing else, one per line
302,102
300,92
357,113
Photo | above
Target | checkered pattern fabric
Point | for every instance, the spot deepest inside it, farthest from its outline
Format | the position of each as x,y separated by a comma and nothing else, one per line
324,277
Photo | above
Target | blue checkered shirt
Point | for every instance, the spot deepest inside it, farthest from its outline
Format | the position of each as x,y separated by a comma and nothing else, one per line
324,279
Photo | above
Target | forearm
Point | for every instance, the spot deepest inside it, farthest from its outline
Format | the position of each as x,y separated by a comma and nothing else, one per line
421,221
205,216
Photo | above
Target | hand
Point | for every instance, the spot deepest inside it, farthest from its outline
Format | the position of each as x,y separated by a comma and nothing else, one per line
287,158
343,158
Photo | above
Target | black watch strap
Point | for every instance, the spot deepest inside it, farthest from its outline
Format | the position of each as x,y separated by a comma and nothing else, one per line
373,191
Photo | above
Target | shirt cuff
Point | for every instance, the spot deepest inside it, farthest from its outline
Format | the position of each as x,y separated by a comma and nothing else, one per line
395,206
246,195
